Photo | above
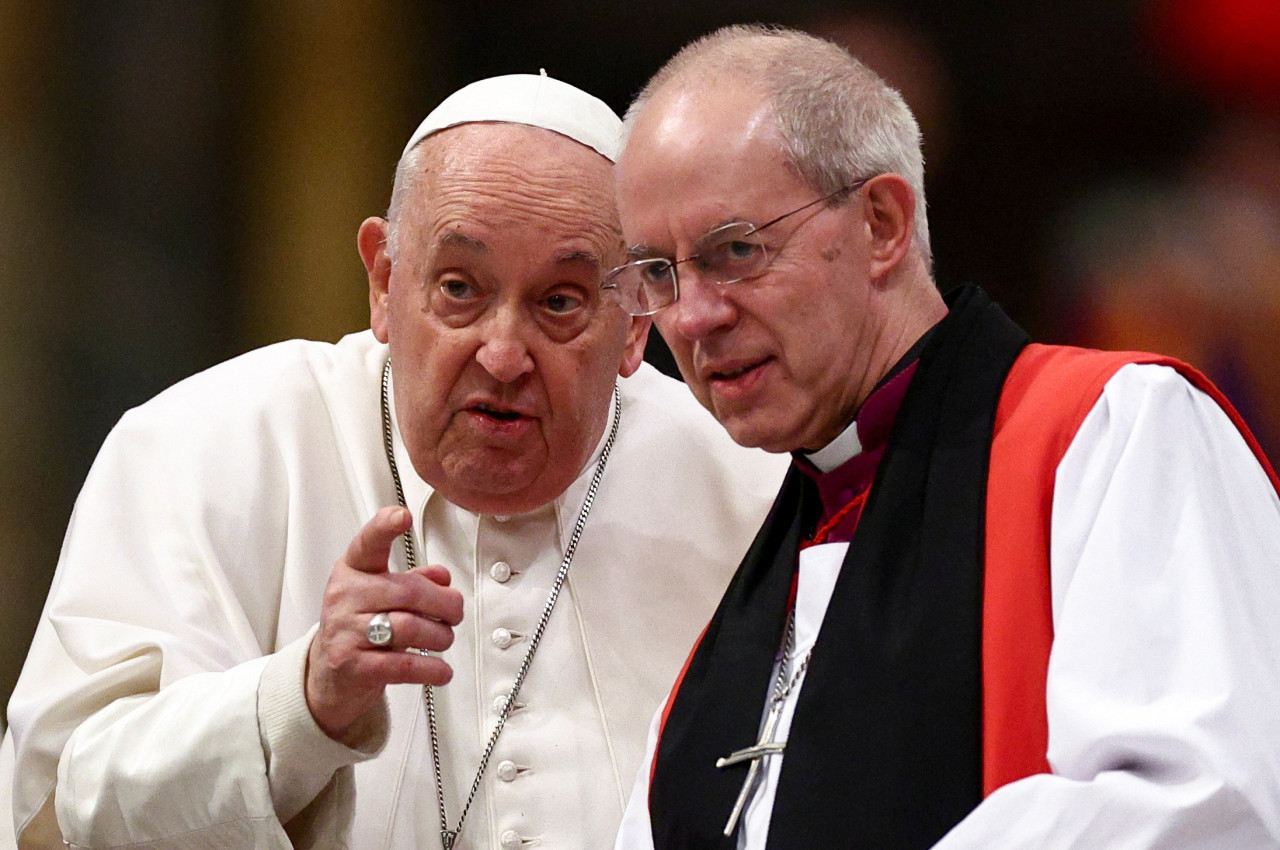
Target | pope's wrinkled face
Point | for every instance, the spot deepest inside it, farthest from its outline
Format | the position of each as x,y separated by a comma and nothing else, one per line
504,349
782,360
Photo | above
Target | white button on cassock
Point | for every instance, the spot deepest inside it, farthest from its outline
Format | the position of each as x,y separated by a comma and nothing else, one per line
499,702
501,572
507,771
511,840
501,638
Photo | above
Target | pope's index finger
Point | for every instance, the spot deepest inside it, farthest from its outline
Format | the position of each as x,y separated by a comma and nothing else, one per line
371,547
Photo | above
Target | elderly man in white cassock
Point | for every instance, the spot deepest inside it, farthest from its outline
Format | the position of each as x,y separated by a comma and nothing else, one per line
1010,595
529,525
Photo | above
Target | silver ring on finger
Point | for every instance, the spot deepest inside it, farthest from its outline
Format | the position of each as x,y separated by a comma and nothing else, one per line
379,630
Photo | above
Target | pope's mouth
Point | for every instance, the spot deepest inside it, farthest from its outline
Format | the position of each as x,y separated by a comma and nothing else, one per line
497,413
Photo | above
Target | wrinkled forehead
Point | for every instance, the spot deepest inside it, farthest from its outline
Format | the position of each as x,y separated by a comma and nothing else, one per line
531,155
501,175
697,158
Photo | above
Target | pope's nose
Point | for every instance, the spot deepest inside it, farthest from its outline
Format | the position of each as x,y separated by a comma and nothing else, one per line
504,357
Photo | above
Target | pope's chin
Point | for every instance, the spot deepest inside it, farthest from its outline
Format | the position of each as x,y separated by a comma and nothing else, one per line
487,480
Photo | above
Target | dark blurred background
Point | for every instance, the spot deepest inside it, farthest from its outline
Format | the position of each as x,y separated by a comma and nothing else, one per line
180,182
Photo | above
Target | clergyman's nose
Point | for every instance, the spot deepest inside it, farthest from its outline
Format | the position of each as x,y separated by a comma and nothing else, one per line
701,308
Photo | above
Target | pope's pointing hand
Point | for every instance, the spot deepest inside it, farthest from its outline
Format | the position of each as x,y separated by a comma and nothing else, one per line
346,673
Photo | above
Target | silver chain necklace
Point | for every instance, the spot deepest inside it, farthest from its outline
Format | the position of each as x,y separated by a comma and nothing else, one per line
783,685
448,837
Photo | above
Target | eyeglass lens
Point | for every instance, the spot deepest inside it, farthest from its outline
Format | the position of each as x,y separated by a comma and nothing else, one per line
727,254
730,253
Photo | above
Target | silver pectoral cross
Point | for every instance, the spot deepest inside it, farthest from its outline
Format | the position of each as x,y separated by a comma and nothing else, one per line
755,754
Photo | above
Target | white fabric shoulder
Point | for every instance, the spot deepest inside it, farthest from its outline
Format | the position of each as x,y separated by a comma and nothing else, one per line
672,421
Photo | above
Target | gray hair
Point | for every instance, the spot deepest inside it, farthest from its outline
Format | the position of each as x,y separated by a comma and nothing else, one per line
409,174
838,120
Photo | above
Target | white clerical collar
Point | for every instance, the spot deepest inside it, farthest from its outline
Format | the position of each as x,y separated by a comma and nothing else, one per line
845,446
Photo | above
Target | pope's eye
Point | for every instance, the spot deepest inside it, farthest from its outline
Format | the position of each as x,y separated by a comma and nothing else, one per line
457,289
561,303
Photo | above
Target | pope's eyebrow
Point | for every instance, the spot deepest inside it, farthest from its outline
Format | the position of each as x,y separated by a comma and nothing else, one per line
579,257
453,239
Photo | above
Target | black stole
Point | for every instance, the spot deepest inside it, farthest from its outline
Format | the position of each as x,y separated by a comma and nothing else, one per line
885,747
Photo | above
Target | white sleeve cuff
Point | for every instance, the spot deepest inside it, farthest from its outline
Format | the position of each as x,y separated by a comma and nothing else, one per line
301,758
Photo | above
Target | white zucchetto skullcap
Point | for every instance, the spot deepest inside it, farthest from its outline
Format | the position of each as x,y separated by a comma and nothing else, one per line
533,99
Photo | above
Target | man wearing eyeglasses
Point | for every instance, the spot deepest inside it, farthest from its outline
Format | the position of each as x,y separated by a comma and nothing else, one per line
1009,595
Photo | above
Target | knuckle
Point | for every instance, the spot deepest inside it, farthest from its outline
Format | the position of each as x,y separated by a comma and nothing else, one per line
399,596
341,586
442,635
333,595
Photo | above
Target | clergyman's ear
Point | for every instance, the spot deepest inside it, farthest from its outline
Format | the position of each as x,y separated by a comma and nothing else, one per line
890,206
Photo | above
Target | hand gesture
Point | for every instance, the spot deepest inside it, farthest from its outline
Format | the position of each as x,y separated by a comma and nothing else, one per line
346,672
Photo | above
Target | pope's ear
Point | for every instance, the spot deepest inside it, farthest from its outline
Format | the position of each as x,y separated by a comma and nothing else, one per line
372,243
890,206
637,336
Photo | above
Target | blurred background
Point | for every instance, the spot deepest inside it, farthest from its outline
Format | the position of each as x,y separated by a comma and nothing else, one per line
180,182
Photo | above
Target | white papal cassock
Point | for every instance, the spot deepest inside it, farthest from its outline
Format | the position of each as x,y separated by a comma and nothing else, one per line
164,688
